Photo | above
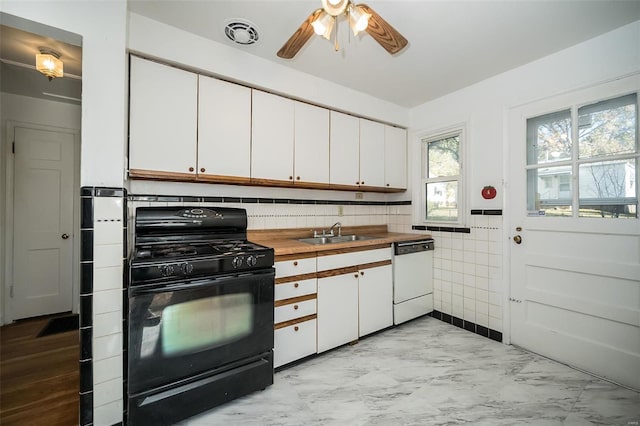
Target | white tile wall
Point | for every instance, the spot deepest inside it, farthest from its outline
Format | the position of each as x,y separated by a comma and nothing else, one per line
107,342
468,272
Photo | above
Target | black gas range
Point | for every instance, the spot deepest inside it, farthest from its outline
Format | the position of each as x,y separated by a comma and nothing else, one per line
200,324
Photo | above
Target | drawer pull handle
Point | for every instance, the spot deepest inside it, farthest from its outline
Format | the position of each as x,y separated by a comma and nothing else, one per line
296,328
296,285
295,263
362,273
295,307
356,275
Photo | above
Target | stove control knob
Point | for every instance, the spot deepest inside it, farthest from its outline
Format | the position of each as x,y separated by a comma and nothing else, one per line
237,262
166,270
251,261
186,268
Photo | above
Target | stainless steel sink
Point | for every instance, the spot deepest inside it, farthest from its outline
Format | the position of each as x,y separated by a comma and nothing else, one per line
335,239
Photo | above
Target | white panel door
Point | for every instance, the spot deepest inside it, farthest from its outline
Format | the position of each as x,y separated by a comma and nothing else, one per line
224,128
272,137
43,222
311,143
395,157
344,141
163,115
375,295
337,311
371,148
574,282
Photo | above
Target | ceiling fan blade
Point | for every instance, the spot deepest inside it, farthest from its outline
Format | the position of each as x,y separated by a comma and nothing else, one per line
299,38
382,32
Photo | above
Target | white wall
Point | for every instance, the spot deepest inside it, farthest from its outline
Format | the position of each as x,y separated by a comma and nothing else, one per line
482,105
21,109
102,25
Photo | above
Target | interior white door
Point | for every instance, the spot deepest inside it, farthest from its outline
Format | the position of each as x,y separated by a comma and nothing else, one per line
43,222
574,282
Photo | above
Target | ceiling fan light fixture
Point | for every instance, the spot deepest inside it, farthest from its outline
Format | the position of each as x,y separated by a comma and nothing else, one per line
48,63
323,25
335,7
358,19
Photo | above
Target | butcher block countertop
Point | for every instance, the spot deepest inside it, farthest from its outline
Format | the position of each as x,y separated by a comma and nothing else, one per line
285,241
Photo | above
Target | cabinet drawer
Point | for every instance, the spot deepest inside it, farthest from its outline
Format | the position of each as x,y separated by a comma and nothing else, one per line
295,289
286,268
294,310
336,261
294,342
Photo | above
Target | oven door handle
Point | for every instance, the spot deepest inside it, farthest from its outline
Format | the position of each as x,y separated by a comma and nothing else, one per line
195,284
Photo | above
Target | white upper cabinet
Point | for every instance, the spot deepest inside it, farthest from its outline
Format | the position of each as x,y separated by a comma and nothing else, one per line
163,104
395,156
224,128
272,137
344,149
311,143
371,150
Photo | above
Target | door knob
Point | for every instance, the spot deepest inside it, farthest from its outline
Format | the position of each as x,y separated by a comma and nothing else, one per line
517,239
65,236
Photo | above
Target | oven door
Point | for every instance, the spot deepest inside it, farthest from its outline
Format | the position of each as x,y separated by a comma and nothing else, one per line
180,329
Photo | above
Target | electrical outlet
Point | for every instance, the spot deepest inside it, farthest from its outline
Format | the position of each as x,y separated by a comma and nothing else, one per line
359,196
340,210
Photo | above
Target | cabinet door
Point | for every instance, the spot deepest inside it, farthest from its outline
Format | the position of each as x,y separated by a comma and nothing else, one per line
395,157
224,128
272,137
375,299
337,311
294,342
371,146
344,164
311,143
163,104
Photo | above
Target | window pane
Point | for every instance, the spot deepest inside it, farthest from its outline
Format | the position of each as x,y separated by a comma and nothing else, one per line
549,190
442,201
608,127
549,138
610,182
443,157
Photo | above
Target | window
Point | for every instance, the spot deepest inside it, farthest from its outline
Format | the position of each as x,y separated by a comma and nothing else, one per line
441,177
595,177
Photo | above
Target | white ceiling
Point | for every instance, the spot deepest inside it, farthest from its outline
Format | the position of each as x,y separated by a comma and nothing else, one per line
452,44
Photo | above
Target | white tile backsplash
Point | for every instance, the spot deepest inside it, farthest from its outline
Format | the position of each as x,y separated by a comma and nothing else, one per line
107,208
107,278
107,346
107,369
108,414
107,301
107,255
107,323
107,233
107,392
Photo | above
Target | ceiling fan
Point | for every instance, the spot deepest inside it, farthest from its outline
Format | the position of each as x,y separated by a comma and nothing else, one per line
361,18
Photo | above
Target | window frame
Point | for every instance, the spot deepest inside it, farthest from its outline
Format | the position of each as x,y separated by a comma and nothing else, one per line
576,161
435,136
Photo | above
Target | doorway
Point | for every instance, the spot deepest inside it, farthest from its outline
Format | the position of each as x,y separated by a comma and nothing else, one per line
40,167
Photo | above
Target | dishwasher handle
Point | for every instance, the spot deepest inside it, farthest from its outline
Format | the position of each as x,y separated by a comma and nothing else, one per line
408,247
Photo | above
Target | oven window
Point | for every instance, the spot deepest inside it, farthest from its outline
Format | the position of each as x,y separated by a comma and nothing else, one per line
201,324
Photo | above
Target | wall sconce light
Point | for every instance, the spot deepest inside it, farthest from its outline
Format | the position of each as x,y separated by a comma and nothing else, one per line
48,63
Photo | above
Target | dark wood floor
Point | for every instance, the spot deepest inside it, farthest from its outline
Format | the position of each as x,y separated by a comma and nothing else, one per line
39,376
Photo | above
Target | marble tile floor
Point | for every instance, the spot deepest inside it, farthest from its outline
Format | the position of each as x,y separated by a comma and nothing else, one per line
427,372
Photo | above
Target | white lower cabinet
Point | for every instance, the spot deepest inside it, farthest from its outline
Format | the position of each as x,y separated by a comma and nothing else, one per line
294,342
337,310
295,308
375,299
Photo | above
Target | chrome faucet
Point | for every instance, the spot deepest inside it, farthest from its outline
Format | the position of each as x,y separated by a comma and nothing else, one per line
339,225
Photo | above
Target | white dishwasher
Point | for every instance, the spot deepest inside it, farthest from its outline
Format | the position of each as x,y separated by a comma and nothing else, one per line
412,279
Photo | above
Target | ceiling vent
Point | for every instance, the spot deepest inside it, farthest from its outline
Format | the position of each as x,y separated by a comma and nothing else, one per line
241,31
